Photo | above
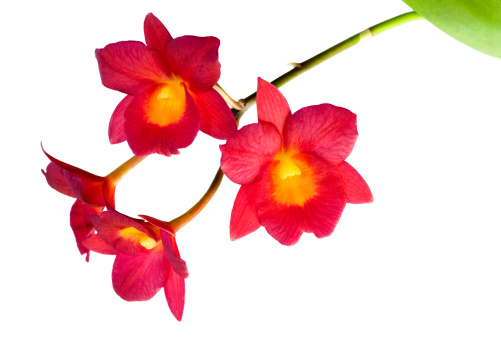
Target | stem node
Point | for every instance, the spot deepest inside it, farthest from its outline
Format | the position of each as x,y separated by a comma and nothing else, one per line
296,65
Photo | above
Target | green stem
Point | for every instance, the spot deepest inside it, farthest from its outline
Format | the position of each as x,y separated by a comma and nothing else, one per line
332,51
282,80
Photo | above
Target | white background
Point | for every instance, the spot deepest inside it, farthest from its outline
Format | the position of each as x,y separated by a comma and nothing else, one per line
420,264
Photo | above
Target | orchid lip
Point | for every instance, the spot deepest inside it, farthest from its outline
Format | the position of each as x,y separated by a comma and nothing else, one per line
287,168
294,181
134,234
167,105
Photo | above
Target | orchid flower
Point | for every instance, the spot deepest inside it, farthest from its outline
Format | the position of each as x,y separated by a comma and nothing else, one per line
147,259
92,193
169,86
292,169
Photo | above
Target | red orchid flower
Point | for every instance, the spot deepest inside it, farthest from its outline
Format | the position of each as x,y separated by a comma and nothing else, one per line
90,191
74,182
292,170
168,83
147,259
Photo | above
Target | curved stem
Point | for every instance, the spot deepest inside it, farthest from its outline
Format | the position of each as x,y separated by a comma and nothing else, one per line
185,218
124,168
299,68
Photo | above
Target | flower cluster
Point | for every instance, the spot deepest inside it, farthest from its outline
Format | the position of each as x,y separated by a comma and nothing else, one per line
291,167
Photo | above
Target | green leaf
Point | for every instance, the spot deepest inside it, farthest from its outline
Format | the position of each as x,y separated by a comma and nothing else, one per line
476,23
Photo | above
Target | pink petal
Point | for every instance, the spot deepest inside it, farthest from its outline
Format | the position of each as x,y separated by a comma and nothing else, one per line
55,178
130,66
319,214
195,60
216,118
172,254
175,293
324,130
146,138
139,277
109,226
81,225
244,214
95,243
271,105
155,33
356,189
249,151
116,131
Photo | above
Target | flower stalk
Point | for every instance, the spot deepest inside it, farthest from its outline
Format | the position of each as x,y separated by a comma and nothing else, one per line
123,169
229,100
302,67
185,218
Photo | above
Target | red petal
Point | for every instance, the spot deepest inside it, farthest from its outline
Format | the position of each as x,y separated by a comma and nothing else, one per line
116,131
249,151
319,214
87,191
139,277
137,220
110,226
145,138
95,243
195,60
271,105
172,254
81,225
83,185
175,293
324,130
108,190
130,66
72,169
155,33
55,178
216,118
244,215
356,189
165,226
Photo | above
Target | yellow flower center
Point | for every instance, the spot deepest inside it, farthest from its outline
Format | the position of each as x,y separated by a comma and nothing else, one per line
134,234
168,105
293,179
